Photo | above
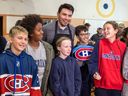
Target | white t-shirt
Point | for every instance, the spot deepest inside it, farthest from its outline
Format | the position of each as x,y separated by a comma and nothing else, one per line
39,56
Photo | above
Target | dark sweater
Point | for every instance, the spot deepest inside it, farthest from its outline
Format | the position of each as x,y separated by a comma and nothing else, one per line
65,77
3,43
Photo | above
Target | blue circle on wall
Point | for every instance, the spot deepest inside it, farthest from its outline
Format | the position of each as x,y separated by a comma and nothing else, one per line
105,6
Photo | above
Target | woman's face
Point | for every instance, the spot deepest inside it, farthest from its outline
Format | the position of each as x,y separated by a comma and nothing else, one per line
37,35
109,31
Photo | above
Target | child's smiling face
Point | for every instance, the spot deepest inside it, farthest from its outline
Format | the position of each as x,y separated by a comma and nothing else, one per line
83,37
19,42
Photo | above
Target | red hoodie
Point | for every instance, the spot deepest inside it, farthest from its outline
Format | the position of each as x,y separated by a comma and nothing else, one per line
110,56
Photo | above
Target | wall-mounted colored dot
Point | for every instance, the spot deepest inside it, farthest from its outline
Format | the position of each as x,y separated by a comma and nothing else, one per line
105,6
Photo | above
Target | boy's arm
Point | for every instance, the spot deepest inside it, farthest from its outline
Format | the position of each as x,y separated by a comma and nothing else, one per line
125,65
93,61
78,81
35,87
54,80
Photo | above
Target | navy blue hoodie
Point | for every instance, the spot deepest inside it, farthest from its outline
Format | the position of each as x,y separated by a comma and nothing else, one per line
65,77
18,74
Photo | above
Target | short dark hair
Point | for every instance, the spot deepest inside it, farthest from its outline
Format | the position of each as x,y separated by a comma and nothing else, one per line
66,6
87,24
30,21
125,32
99,28
80,28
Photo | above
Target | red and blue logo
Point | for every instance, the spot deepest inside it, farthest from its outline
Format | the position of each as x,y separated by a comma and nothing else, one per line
83,52
21,85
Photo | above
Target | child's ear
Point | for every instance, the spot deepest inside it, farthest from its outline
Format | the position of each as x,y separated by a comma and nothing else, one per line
77,38
58,48
116,31
10,40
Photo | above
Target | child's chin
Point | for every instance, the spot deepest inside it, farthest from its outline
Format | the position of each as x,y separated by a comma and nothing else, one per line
68,54
22,49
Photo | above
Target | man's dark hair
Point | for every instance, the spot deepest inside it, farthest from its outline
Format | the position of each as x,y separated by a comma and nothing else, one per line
80,28
66,6
29,22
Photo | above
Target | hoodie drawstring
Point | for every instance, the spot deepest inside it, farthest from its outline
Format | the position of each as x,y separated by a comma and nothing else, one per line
21,68
16,61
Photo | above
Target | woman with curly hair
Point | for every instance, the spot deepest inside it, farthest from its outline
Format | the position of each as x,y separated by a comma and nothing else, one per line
41,51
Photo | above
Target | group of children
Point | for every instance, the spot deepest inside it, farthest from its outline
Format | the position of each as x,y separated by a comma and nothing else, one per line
27,67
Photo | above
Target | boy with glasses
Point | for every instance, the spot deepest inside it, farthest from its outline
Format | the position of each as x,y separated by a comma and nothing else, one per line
82,52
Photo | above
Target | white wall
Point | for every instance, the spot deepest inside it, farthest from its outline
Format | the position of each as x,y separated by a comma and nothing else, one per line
85,9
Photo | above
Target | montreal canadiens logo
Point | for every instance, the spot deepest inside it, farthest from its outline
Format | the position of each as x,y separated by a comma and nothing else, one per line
83,52
21,85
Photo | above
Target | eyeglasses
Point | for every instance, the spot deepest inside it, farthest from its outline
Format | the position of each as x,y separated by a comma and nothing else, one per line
82,34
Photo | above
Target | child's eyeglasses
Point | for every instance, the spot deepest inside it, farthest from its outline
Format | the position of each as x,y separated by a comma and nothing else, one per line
82,34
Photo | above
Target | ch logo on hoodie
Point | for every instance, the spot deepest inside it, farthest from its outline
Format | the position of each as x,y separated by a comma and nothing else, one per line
82,52
21,83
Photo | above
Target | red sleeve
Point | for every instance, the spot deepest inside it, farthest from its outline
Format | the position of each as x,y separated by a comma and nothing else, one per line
35,92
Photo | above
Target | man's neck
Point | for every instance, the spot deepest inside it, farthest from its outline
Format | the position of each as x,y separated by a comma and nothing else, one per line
61,26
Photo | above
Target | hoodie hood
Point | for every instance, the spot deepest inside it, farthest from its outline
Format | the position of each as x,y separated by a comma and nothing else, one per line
115,41
18,75
10,53
16,65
